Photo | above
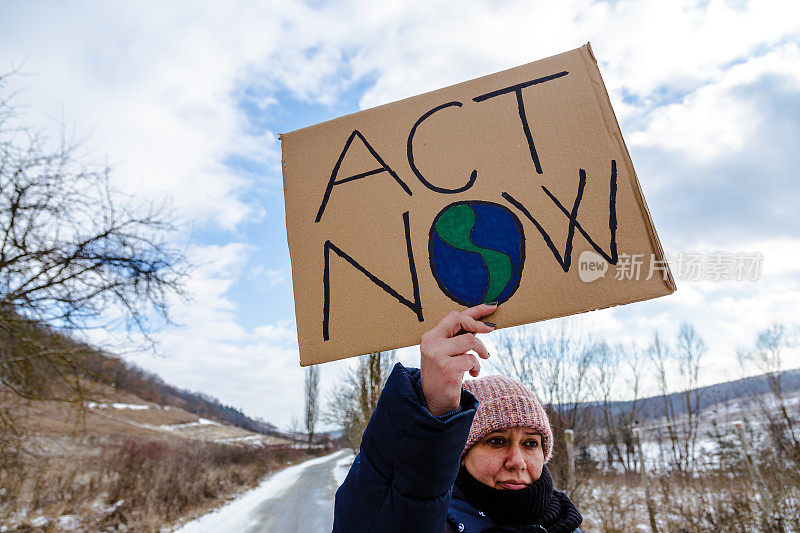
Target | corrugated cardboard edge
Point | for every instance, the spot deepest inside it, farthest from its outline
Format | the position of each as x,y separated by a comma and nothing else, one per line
286,221
612,125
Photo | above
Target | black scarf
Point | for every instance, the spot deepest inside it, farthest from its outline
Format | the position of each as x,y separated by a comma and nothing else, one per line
524,510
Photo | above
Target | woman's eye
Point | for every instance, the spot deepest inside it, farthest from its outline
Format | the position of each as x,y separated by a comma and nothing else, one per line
496,441
532,443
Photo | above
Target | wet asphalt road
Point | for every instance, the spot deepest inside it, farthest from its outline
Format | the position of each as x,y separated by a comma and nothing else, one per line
305,506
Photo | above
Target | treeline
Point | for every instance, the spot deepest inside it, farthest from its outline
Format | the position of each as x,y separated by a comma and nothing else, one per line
720,393
576,375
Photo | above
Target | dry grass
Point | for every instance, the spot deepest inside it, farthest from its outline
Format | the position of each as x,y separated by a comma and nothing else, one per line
152,417
135,484
64,419
111,469
700,503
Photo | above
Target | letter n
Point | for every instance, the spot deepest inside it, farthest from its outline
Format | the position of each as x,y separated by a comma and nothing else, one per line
415,305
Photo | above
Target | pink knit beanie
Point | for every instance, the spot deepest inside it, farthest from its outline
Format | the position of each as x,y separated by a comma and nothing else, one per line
504,403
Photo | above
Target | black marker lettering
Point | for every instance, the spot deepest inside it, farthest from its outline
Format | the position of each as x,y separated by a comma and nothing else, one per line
573,221
612,217
415,306
517,89
410,152
383,168
566,260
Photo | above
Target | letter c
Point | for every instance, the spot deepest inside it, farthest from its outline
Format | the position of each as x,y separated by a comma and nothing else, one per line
415,170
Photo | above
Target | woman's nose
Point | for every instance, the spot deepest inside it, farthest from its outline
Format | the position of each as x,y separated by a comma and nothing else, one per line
515,460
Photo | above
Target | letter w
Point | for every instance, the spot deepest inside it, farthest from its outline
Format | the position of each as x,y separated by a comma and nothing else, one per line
572,216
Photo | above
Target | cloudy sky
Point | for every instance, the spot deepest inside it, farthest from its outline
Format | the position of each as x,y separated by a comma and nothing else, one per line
185,100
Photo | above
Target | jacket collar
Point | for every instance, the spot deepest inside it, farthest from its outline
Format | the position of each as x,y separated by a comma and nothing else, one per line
464,517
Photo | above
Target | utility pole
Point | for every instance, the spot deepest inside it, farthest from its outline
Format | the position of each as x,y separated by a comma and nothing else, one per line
569,438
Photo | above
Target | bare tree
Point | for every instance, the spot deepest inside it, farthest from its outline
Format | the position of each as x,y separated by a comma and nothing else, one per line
373,371
769,357
689,350
74,254
558,365
660,356
312,401
355,396
614,363
683,360
295,431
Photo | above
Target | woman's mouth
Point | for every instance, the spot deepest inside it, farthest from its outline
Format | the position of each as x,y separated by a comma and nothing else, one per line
512,485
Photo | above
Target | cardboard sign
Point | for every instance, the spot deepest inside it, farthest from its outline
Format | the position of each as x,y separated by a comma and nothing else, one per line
515,187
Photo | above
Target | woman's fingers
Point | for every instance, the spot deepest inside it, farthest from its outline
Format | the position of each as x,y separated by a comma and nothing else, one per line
468,362
445,353
480,311
466,342
468,324
467,320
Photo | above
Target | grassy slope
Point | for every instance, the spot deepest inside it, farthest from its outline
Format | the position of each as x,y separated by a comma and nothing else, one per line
80,464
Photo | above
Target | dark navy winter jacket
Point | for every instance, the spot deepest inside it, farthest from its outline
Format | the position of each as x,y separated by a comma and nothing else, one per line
402,479
403,476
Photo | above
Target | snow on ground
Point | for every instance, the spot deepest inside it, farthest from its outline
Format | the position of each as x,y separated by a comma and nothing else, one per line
199,422
134,406
236,514
247,439
68,522
343,467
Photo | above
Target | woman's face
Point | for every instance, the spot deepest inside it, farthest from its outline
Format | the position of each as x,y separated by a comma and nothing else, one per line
509,458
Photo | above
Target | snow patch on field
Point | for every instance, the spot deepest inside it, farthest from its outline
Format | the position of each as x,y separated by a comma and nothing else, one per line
199,422
248,439
134,406
236,515
68,522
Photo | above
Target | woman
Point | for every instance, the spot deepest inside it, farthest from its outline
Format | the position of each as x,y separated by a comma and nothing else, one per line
438,457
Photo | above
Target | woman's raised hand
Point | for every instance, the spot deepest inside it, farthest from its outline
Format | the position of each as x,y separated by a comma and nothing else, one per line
444,357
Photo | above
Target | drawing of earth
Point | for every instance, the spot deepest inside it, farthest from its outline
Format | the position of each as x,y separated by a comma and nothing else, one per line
477,251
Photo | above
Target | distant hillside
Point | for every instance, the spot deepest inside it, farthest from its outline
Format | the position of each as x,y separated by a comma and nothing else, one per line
720,393
149,387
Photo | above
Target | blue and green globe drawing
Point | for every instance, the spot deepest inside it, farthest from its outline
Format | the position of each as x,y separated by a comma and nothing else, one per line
477,251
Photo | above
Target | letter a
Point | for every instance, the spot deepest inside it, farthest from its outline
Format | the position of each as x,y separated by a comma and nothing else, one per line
383,168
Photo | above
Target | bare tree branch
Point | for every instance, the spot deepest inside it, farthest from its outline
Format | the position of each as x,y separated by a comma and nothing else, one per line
74,252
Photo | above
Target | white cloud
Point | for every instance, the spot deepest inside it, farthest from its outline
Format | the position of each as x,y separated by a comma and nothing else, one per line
253,369
154,86
159,92
716,119
262,277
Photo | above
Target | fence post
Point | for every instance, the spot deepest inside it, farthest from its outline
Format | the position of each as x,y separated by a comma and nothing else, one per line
569,438
651,513
773,516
